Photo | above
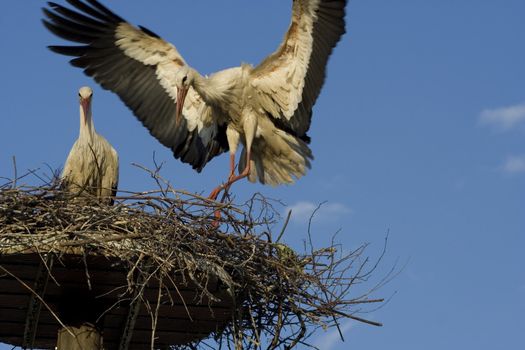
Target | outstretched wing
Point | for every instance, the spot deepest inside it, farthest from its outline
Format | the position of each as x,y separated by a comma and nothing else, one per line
288,81
140,68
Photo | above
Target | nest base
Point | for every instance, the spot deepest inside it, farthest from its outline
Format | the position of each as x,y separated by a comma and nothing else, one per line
159,270
94,289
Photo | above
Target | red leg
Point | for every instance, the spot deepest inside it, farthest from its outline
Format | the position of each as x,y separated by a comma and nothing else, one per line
232,167
215,193
231,179
242,175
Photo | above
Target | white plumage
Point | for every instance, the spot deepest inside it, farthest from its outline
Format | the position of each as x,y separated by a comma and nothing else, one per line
266,108
92,164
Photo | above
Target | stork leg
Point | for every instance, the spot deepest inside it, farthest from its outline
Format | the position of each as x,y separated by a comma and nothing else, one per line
242,175
249,127
226,186
215,193
230,176
232,166
233,137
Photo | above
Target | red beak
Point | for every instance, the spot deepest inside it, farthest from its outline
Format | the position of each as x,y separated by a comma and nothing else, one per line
181,96
85,103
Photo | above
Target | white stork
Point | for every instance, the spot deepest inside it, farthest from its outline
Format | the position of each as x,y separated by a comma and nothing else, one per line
92,164
267,108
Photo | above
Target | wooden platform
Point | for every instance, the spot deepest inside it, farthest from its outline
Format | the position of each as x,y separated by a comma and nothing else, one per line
99,294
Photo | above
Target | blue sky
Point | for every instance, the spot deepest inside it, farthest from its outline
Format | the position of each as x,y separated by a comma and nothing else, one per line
418,131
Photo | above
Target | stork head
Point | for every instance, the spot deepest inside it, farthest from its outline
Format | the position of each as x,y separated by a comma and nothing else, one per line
184,78
85,94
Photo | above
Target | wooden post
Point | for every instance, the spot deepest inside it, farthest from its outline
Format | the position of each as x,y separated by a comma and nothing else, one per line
87,337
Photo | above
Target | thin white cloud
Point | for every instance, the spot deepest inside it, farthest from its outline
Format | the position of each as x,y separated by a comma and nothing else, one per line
303,210
514,165
331,339
504,118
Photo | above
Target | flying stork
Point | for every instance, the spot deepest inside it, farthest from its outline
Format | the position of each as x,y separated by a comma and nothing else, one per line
92,164
267,108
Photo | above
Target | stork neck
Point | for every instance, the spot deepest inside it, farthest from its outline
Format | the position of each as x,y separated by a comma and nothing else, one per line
212,92
87,129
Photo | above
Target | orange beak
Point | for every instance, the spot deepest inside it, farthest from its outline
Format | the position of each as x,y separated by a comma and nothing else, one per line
181,96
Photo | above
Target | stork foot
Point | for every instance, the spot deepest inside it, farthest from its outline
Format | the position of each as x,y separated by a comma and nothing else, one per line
215,193
217,214
225,187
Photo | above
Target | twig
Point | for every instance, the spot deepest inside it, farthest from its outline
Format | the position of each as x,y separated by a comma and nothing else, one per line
16,172
284,226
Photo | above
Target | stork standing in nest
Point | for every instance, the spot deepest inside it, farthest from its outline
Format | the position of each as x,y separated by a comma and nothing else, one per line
267,108
92,164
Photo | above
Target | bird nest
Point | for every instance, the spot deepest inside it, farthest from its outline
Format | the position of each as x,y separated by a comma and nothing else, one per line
175,256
